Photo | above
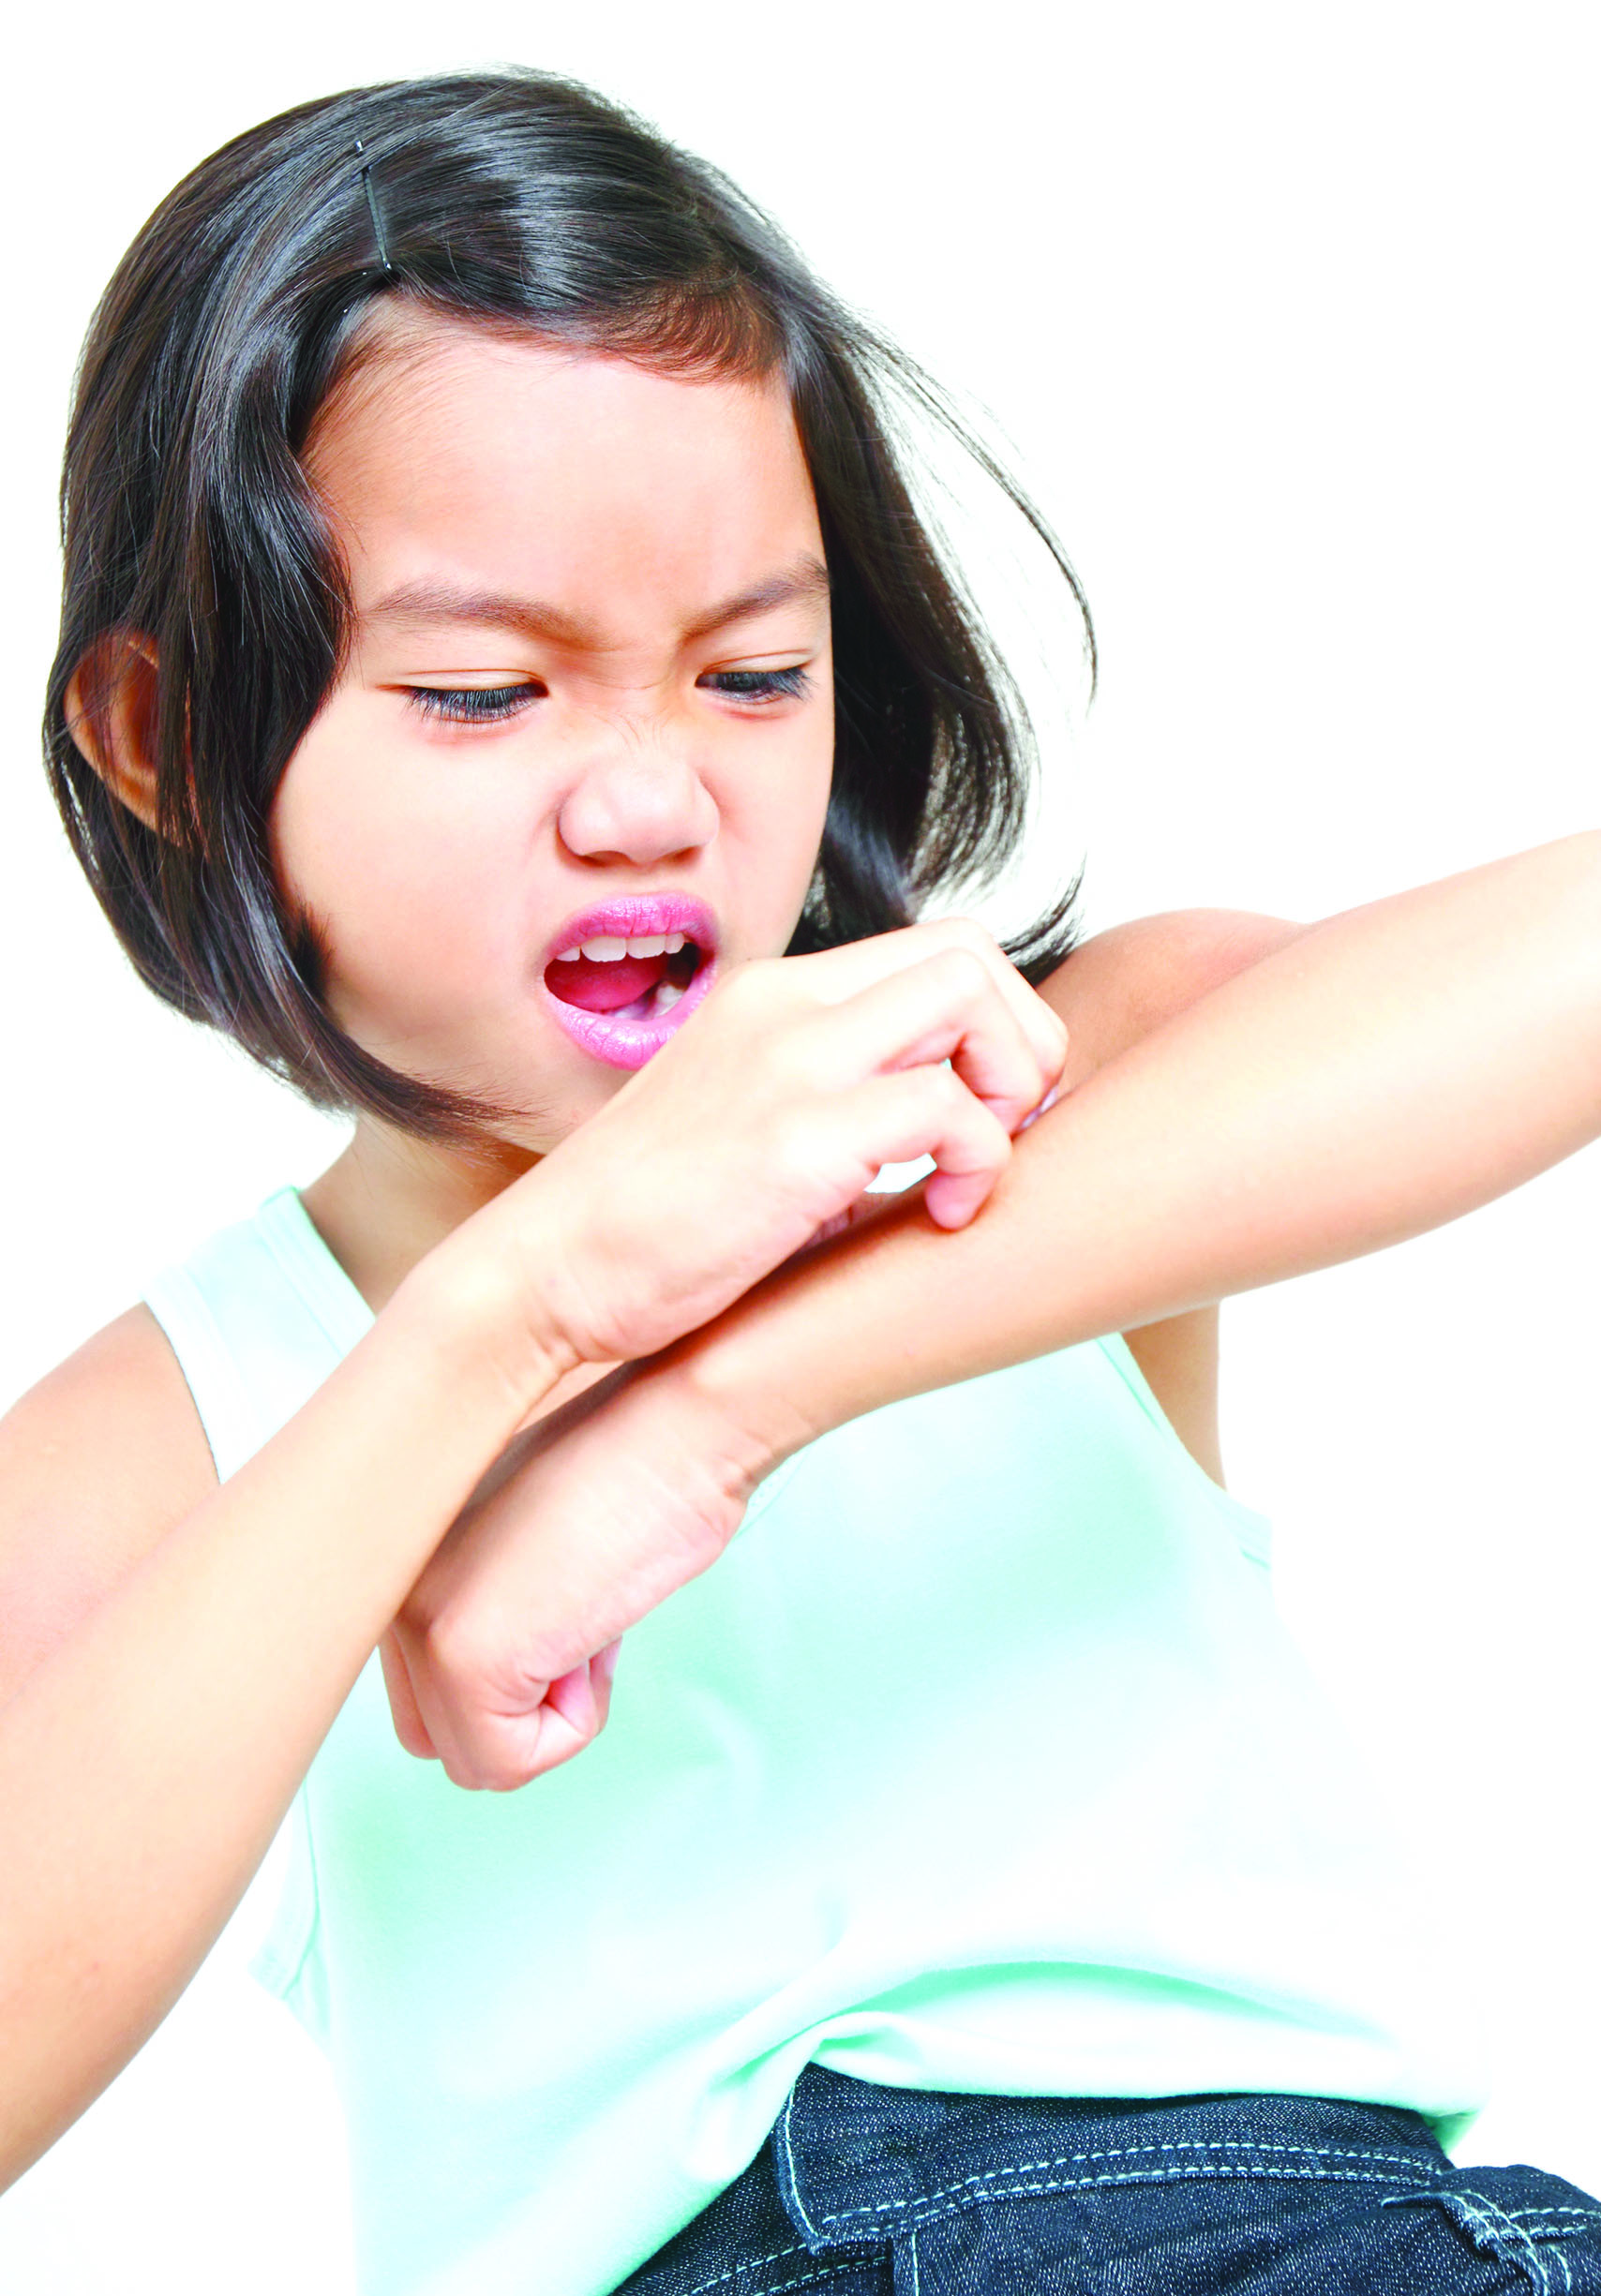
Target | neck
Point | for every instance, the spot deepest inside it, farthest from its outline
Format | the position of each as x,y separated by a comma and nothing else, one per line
389,1199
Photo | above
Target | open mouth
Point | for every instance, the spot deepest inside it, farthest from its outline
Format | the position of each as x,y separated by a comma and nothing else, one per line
640,979
627,974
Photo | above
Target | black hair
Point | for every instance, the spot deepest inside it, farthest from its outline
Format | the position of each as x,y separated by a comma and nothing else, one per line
507,198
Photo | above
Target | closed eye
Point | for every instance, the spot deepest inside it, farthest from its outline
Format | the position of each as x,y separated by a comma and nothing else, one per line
493,705
759,685
473,704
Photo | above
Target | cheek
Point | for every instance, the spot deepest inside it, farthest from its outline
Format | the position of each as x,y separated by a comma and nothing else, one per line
810,811
405,886
780,832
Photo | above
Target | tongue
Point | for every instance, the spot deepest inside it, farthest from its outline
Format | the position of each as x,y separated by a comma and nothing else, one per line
598,986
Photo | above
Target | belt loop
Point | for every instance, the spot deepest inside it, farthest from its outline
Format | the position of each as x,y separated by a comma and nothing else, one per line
783,2140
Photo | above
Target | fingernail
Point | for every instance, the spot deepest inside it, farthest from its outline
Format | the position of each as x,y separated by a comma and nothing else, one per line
1049,1101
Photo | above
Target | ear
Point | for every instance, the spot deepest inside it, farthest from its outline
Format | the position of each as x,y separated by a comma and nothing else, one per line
111,714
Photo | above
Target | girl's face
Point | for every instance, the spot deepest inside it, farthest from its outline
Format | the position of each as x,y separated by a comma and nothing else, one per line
587,701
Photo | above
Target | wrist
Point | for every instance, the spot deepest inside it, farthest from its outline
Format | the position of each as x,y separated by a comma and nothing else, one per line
490,1334
727,1394
782,1366
884,1311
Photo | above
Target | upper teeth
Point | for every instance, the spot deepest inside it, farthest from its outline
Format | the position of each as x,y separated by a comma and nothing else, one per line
607,948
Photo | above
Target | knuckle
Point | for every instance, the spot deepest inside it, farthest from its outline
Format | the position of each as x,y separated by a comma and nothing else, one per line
446,1643
984,1127
505,1777
991,1151
967,932
506,1758
950,1096
750,986
966,969
795,1143
411,1733
415,1616
463,1650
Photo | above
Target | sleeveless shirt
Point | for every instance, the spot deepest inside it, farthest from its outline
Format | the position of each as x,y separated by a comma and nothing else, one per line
979,1761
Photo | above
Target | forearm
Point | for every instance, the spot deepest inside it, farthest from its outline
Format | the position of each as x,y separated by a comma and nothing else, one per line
1390,1069
145,1765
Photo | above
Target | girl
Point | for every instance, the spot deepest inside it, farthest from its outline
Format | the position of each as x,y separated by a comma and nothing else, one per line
497,631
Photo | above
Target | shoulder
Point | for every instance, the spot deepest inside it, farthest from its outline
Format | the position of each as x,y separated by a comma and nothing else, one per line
97,1464
1124,982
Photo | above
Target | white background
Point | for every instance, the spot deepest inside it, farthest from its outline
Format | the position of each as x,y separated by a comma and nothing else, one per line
1290,315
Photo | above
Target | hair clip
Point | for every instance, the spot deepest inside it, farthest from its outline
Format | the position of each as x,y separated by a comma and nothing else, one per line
372,210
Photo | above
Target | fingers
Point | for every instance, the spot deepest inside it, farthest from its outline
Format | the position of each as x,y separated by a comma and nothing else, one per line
943,1008
1044,1109
502,1753
410,1727
928,1112
445,1706
847,970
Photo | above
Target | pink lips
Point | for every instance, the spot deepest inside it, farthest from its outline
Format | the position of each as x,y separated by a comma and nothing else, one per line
629,1044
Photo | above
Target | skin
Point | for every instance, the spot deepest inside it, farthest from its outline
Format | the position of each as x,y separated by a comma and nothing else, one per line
631,749
633,503
636,755
638,761
199,1641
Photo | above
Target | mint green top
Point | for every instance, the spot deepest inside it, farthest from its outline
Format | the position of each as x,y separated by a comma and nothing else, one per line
981,1761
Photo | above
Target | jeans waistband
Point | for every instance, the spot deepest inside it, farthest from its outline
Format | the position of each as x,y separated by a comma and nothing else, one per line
856,2162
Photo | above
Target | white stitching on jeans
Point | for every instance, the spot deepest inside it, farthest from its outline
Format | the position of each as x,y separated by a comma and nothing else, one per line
1078,2184
1519,2214
1129,2152
916,2276
806,2225
1479,2218
782,2288
1535,2263
751,2263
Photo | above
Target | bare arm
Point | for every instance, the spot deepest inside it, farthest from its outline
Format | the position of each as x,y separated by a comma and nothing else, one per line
169,1693
97,1464
1372,1077
1110,993
145,1765
1381,1073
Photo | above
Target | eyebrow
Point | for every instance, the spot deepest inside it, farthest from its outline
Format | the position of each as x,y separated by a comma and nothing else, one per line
804,580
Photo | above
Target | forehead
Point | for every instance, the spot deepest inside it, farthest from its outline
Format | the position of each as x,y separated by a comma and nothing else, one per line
452,452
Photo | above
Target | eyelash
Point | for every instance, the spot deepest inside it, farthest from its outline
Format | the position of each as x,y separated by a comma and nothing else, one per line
493,705
765,685
471,705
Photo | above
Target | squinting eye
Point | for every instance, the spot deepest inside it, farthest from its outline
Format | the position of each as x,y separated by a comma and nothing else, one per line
473,704
760,685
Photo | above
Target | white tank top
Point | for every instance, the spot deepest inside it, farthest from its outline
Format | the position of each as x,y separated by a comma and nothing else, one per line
979,1762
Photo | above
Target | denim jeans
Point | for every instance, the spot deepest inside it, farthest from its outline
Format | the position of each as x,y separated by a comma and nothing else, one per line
869,2191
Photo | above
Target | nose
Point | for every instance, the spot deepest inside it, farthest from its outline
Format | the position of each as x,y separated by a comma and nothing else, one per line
638,797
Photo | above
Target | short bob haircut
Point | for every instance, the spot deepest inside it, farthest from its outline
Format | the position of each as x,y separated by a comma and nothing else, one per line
506,198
